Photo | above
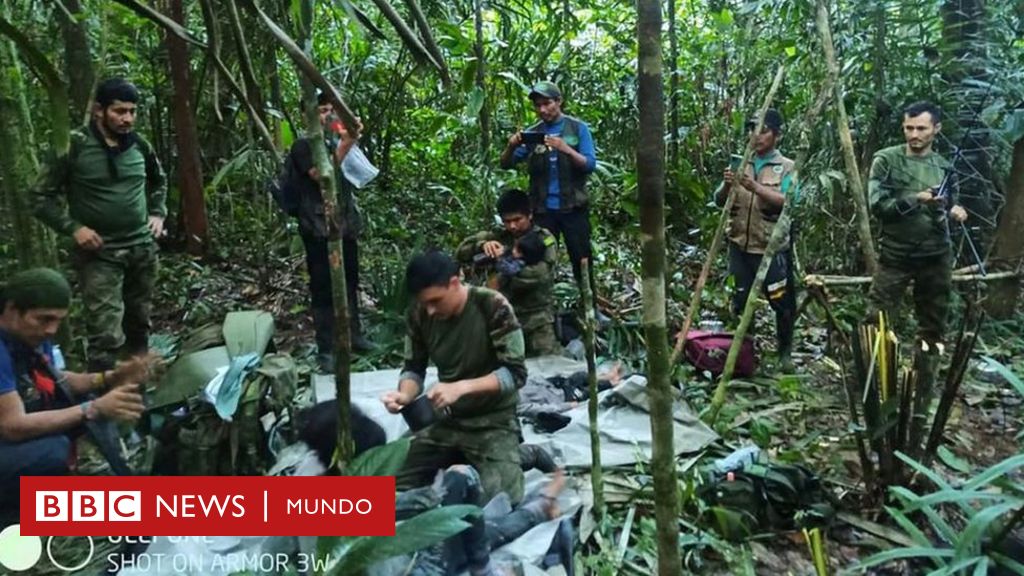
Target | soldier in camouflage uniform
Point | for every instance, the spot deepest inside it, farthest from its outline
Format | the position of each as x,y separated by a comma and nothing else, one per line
114,189
915,246
473,337
529,291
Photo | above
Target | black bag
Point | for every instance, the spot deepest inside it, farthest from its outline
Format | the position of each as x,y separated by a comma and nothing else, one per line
283,189
762,497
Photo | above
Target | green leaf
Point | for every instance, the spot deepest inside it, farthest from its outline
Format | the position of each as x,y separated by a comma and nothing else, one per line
995,472
474,102
384,460
969,543
1001,368
414,534
901,553
953,461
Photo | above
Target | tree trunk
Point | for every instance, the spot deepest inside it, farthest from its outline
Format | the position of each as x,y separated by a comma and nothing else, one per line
190,169
252,88
856,185
1008,248
16,162
882,109
481,75
966,67
325,165
650,164
77,60
589,321
673,88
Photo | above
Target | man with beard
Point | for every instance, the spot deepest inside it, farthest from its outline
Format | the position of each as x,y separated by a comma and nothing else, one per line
529,290
761,191
905,194
114,190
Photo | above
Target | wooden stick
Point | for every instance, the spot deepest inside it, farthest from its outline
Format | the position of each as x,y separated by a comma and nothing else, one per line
589,320
835,280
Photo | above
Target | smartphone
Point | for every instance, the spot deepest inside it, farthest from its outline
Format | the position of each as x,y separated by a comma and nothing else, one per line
533,138
734,162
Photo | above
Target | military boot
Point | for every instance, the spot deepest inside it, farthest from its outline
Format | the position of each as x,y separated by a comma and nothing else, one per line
784,328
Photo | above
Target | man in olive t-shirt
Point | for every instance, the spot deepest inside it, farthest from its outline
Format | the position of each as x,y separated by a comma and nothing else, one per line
114,190
907,195
473,337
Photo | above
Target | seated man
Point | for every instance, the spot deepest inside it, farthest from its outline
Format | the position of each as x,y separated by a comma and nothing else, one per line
38,419
472,336
529,291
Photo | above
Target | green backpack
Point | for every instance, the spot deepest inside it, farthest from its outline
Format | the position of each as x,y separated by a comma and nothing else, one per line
766,497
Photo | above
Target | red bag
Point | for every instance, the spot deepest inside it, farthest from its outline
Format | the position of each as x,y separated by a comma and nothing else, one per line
707,351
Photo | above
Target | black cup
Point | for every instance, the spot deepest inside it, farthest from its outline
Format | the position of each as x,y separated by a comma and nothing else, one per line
419,413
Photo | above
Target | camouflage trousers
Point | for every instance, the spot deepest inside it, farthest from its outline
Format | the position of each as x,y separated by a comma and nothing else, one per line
932,280
539,334
116,286
493,452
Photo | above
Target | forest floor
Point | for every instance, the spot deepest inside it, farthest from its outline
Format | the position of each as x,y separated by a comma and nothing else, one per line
793,418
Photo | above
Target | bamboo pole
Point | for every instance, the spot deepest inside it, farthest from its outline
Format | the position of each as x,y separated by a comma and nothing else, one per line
834,280
589,320
846,140
723,219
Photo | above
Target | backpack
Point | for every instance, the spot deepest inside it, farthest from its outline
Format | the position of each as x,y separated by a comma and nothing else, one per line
707,351
282,188
765,497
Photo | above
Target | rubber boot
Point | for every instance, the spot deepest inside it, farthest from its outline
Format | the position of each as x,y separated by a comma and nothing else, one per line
323,326
784,340
360,345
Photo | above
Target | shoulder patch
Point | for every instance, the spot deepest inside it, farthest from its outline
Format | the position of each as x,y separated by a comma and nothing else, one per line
549,240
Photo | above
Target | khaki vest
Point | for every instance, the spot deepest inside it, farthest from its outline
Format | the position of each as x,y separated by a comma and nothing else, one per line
751,220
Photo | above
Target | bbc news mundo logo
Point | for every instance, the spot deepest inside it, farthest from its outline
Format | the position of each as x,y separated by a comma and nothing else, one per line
20,553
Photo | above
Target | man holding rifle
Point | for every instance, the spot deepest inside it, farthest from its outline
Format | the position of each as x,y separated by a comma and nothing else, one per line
911,191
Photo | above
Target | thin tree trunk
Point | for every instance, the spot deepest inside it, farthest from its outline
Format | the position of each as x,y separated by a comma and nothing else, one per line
589,321
77,59
856,185
481,75
723,219
673,83
428,39
252,87
190,169
650,164
325,165
1008,248
881,106
16,164
213,49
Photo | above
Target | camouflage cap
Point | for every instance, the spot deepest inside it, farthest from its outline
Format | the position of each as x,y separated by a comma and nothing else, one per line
545,89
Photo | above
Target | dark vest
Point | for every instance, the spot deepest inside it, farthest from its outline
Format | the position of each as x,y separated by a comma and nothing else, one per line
572,181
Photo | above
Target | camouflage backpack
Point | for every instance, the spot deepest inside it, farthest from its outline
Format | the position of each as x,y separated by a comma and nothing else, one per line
764,497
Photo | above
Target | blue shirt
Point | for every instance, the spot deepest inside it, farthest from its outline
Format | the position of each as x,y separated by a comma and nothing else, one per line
585,146
8,348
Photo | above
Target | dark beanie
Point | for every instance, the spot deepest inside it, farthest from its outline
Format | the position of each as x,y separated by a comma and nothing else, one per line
36,288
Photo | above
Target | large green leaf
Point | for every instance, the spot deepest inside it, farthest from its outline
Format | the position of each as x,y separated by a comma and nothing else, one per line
903,553
384,460
414,534
1003,371
969,543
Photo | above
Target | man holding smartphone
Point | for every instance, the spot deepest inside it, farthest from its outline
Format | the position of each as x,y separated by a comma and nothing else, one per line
558,167
911,191
761,191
